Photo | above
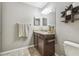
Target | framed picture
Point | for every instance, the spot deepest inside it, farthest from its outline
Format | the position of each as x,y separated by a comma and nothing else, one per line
36,21
44,21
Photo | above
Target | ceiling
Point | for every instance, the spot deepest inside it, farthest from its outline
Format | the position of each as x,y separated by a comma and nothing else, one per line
37,4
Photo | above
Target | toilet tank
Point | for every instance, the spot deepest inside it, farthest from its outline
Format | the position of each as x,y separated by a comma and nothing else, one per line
71,48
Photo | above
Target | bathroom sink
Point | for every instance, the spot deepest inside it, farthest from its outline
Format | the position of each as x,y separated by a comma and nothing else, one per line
44,32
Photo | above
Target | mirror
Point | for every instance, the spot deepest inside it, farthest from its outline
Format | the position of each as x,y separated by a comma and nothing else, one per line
36,21
44,21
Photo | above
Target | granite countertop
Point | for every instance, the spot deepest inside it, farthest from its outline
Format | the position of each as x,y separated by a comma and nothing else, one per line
44,33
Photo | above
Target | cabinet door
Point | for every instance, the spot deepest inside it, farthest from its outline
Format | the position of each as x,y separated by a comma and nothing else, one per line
41,46
50,47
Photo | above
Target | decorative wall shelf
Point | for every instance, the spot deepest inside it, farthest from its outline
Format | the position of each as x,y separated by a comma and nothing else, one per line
69,13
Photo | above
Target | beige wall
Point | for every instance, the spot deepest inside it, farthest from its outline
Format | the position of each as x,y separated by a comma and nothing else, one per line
65,31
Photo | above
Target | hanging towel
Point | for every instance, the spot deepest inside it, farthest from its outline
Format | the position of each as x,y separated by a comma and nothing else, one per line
22,31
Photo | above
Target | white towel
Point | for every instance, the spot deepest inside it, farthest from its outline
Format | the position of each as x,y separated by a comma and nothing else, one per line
22,30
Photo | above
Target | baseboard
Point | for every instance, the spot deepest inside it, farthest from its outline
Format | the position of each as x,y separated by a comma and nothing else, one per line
20,49
16,49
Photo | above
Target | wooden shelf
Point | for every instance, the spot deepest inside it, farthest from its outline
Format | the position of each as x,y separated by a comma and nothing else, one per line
74,11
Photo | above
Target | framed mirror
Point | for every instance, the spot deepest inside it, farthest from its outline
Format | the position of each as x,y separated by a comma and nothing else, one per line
44,21
36,21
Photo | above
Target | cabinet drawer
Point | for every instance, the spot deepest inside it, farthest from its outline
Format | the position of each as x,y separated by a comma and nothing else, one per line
50,37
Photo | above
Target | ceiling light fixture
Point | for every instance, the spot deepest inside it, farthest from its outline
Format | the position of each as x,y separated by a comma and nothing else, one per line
46,11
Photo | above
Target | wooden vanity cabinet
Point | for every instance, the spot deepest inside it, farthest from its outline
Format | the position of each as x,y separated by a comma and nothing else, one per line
45,44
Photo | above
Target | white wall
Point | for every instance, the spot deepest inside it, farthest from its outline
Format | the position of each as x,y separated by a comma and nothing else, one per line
51,16
13,13
0,28
65,31
16,13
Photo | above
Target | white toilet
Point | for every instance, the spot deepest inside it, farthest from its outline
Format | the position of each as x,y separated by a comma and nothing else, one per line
71,48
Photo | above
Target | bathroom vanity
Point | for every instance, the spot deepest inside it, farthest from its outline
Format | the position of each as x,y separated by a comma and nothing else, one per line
44,42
